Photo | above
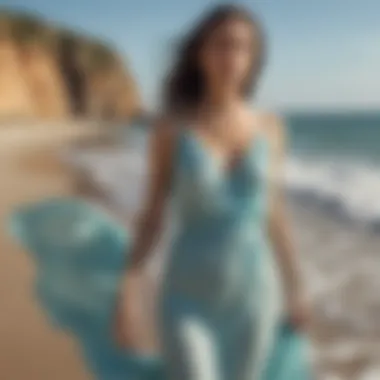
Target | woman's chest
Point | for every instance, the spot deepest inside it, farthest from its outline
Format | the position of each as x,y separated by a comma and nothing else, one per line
202,179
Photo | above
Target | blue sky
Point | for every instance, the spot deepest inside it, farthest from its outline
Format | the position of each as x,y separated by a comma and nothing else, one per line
323,53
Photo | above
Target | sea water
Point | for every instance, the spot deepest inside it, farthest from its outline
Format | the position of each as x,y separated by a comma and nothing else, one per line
334,161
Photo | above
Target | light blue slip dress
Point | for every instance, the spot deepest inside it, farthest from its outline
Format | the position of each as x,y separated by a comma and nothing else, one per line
220,315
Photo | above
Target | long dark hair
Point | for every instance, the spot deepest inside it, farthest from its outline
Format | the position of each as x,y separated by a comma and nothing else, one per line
185,85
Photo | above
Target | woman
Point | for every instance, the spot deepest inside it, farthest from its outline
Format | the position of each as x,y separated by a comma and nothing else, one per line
218,160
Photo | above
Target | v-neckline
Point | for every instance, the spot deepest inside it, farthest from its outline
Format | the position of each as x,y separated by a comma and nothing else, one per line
230,165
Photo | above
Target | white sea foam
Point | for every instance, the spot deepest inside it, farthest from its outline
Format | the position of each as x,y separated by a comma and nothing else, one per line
120,174
347,189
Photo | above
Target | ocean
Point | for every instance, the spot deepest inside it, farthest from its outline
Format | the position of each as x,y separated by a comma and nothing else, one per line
334,160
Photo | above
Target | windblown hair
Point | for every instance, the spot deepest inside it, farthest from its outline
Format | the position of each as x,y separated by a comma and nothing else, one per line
185,85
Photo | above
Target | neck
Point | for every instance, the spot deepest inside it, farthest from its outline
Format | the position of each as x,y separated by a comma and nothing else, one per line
221,101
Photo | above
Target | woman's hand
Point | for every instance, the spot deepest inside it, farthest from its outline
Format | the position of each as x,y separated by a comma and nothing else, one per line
299,312
127,312
133,328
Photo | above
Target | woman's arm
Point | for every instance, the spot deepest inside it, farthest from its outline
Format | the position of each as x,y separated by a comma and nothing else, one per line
149,224
135,326
279,226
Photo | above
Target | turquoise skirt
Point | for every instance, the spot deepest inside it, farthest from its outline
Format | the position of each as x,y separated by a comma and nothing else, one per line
80,254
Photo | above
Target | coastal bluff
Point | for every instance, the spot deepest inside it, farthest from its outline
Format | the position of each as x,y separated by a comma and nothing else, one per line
51,73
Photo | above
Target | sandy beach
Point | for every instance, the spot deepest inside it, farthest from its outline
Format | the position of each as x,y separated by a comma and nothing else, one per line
340,262
29,348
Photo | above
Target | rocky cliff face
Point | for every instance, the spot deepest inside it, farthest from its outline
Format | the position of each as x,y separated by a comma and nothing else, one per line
50,73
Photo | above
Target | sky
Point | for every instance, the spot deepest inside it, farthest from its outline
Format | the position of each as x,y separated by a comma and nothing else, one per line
323,54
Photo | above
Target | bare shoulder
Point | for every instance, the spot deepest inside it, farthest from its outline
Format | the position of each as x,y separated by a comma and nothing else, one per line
273,126
163,133
161,150
163,127
272,123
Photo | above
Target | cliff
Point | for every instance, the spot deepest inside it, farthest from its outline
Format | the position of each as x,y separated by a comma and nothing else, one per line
50,73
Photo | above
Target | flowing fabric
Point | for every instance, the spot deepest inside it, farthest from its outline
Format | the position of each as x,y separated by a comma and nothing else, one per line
220,314
80,256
